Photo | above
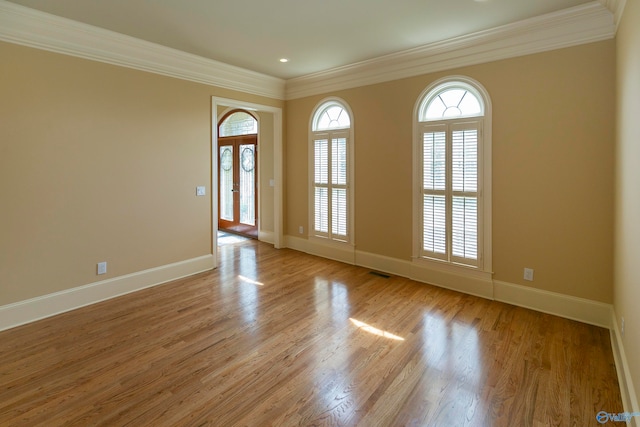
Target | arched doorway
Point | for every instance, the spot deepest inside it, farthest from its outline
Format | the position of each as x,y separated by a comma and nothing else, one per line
237,173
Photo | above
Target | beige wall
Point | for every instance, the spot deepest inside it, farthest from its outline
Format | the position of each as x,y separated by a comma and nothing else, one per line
627,249
266,172
553,159
98,163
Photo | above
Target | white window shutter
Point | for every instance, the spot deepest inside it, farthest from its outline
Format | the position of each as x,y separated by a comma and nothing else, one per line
450,191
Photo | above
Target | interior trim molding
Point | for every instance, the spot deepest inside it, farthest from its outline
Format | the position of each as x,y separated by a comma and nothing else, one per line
627,390
570,307
582,24
616,7
343,253
567,306
394,266
472,284
591,22
33,28
266,236
278,161
41,307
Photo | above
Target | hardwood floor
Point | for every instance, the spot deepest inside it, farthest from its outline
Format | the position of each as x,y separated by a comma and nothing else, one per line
277,337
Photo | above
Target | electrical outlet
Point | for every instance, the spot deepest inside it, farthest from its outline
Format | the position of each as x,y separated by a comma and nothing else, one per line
102,268
528,274
622,326
301,230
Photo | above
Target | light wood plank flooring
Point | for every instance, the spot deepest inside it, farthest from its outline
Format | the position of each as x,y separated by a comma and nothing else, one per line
281,338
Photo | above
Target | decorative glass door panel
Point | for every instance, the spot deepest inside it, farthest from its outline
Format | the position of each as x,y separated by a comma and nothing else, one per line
247,184
226,183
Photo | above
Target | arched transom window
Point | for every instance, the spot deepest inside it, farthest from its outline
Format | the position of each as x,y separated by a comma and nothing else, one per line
238,123
452,161
330,161
331,115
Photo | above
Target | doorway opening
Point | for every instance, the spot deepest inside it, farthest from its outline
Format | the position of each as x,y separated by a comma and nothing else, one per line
237,174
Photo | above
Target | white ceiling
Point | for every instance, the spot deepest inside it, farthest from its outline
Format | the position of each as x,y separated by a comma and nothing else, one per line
315,36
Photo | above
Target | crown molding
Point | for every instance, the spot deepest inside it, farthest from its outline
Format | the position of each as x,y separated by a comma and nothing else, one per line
570,27
587,23
616,7
29,27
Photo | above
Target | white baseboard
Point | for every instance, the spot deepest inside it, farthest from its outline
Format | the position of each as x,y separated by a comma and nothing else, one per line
266,236
574,308
337,252
33,309
627,389
424,274
580,309
384,264
394,266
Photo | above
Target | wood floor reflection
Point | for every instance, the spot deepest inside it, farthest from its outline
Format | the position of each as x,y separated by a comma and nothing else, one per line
281,338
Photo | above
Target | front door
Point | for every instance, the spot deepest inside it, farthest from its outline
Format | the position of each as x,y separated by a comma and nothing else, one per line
237,180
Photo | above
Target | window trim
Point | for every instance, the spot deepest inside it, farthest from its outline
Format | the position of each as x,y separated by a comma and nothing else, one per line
328,134
485,263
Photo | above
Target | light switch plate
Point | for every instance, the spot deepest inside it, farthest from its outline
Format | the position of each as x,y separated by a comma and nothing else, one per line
201,190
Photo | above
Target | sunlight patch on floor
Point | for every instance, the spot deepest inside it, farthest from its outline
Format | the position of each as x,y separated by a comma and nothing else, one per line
375,331
247,280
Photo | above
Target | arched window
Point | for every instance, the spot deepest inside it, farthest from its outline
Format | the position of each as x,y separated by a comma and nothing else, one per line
452,186
238,123
331,180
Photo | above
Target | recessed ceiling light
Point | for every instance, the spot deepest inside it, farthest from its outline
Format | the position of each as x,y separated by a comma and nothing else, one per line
284,60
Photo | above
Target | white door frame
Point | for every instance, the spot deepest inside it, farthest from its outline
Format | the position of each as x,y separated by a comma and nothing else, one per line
217,102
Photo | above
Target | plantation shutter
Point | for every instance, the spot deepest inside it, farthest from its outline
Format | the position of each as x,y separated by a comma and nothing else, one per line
450,192
331,187
321,186
339,188
434,192
464,202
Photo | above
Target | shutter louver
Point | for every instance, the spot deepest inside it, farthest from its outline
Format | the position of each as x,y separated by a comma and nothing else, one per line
435,236
464,165
321,161
339,161
464,227
339,213
322,210
434,162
